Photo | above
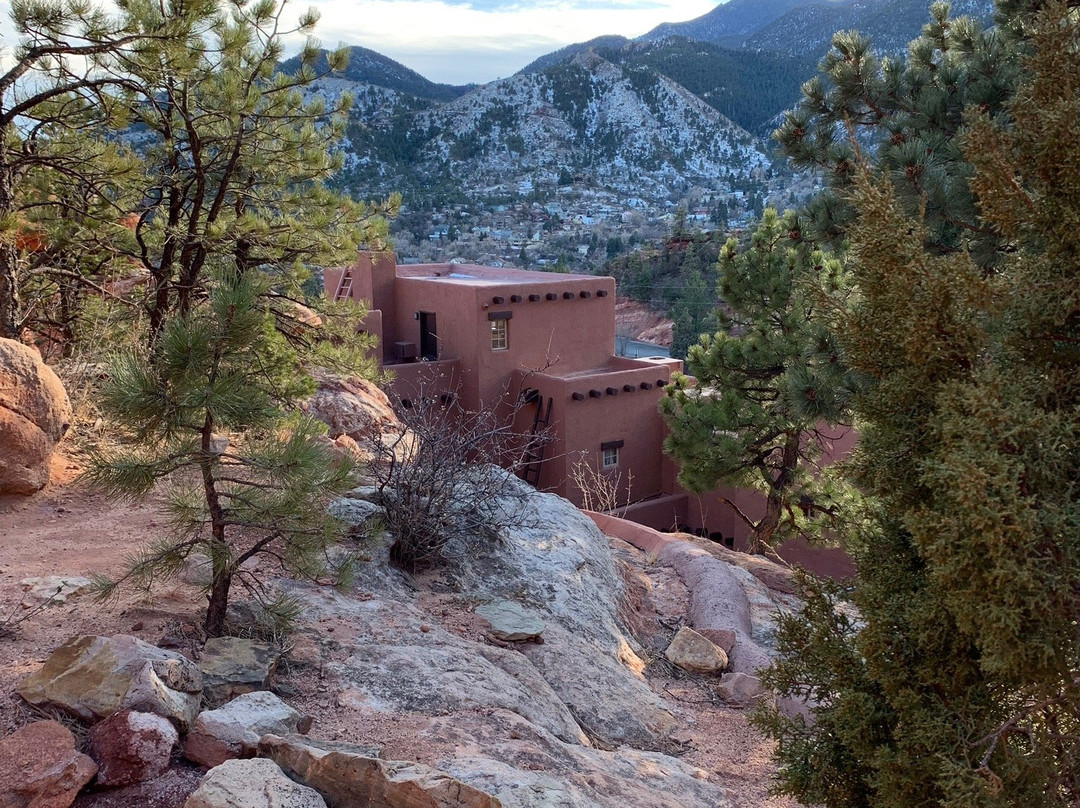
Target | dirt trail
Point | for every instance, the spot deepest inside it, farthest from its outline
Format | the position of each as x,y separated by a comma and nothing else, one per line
67,529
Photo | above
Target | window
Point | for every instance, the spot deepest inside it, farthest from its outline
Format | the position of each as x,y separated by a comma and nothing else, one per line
611,457
609,453
500,335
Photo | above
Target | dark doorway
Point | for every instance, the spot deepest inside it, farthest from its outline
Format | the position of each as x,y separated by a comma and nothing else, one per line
429,346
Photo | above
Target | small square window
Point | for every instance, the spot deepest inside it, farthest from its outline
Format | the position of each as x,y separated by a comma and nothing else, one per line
611,457
500,335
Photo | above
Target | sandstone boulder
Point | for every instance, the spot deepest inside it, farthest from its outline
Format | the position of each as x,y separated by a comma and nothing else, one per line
727,597
346,779
39,767
232,666
510,622
353,407
93,677
722,638
692,652
233,730
740,688
131,747
252,784
34,415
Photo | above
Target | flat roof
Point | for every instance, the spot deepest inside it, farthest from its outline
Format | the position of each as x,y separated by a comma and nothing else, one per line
478,275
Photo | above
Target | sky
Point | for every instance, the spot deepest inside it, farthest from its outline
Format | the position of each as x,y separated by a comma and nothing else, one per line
461,42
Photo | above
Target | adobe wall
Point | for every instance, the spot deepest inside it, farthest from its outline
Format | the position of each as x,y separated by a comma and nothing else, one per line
558,336
414,380
664,513
593,408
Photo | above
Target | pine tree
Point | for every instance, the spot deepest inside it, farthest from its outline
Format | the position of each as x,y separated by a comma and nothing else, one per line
693,312
766,383
222,367
233,211
58,93
907,116
236,157
958,684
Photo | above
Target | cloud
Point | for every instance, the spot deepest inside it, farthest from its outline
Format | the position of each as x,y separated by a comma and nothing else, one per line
479,40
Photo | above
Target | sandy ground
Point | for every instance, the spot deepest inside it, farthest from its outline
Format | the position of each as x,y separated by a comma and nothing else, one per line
69,530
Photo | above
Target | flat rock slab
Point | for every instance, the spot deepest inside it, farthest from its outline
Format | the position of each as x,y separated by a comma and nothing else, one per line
39,767
252,784
53,588
93,677
233,666
356,511
511,622
233,730
692,652
349,780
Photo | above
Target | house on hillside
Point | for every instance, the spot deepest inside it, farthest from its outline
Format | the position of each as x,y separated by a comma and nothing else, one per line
487,337
538,348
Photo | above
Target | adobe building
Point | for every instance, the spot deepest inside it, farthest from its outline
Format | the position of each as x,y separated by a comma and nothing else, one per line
489,337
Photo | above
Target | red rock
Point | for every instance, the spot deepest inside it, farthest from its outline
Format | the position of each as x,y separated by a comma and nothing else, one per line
39,767
131,747
34,415
723,638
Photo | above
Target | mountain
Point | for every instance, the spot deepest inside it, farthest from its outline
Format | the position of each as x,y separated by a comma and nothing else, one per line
806,27
890,24
750,88
623,130
610,43
369,67
729,24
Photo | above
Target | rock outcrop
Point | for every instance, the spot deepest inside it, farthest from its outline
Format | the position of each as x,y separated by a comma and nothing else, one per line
346,779
39,767
93,677
525,767
34,415
255,783
572,722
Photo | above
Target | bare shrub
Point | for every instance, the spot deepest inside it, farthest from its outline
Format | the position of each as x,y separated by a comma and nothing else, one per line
600,491
438,478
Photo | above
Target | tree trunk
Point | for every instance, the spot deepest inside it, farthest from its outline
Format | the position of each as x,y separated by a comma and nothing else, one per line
779,486
222,564
9,253
219,604
9,290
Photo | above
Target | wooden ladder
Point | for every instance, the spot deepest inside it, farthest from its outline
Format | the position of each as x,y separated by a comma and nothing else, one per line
344,286
534,452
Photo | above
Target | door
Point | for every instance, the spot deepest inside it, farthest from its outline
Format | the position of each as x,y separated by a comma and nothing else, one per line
429,346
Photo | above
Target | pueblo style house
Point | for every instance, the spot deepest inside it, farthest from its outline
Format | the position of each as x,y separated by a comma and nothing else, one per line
487,337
